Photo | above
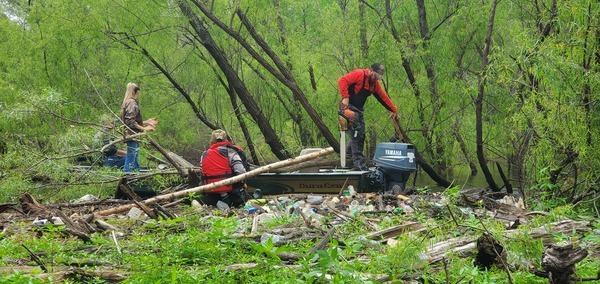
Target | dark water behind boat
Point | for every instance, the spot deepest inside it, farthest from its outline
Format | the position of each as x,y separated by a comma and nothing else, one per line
462,179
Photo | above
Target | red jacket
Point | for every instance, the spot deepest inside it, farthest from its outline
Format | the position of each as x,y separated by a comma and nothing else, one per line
216,167
352,83
221,162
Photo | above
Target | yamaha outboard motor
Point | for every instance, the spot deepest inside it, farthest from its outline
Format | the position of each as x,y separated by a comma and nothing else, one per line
396,161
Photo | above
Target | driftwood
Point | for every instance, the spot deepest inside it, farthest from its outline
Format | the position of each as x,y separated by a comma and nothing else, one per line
558,262
60,273
308,164
322,243
235,179
396,230
182,172
8,206
80,228
464,246
124,190
30,206
490,252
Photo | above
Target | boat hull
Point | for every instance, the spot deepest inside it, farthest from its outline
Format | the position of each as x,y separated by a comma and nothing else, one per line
323,182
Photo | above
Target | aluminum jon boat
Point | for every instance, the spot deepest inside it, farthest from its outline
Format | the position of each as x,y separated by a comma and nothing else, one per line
394,162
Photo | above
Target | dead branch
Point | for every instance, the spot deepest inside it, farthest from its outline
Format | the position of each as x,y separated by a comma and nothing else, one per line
208,187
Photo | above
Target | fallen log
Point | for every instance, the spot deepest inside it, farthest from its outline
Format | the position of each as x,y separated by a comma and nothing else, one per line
235,179
465,245
308,164
396,230
558,262
490,252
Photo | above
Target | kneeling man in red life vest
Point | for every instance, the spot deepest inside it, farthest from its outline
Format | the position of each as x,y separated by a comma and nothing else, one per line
222,161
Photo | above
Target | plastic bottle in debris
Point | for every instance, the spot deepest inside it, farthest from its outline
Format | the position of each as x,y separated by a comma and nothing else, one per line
406,208
276,239
314,199
312,215
346,196
354,205
222,205
351,191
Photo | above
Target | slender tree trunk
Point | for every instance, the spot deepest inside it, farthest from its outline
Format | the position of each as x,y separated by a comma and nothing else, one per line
587,67
305,135
413,82
206,40
463,149
282,34
479,102
243,127
522,141
389,23
364,43
311,74
279,71
285,77
435,104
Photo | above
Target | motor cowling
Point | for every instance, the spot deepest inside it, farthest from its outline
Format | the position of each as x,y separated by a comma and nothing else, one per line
396,161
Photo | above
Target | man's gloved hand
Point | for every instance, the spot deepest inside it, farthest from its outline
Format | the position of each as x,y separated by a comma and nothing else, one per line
344,103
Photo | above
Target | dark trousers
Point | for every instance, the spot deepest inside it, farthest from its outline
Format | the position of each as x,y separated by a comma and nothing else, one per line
234,198
357,140
114,161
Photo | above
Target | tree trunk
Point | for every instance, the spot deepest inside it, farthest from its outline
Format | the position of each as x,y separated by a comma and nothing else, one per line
463,149
441,181
281,73
245,131
417,93
286,78
364,43
206,40
439,156
479,102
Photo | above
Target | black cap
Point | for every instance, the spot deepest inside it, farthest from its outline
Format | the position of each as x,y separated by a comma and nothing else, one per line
377,68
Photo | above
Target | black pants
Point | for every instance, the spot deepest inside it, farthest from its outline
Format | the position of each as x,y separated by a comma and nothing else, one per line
357,140
234,198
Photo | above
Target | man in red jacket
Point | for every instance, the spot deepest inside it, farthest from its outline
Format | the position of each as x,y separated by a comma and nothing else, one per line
355,88
222,161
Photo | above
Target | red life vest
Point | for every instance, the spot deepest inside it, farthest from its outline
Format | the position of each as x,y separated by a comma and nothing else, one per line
216,167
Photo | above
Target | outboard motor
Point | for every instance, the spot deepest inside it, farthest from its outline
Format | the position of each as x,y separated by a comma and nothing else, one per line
377,180
397,161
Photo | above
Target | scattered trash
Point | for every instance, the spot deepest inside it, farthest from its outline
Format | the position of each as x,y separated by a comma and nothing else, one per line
40,222
136,213
276,239
257,194
250,209
314,199
196,204
87,198
222,205
57,221
351,191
